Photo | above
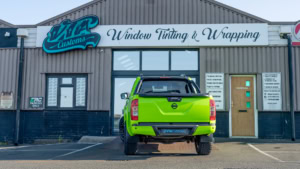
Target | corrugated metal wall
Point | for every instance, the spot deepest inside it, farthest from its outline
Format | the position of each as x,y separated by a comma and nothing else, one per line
246,60
94,62
119,12
296,54
9,71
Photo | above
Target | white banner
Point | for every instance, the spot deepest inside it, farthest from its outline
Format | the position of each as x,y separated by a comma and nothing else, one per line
192,35
215,87
272,91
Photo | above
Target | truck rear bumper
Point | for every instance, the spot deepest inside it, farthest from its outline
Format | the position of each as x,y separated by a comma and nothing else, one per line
173,129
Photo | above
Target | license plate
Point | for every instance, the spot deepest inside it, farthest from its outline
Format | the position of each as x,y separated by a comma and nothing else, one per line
174,131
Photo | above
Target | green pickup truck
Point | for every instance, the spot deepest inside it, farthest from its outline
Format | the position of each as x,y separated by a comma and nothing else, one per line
167,110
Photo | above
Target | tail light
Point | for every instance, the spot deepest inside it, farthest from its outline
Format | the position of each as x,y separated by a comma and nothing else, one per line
212,105
134,110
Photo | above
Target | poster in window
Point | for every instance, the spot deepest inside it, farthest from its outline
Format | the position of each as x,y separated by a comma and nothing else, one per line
6,100
52,92
80,91
215,87
272,91
66,97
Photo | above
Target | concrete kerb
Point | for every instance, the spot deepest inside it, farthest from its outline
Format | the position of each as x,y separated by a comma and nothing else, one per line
95,139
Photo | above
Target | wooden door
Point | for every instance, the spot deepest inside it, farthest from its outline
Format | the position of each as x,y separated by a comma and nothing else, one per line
242,106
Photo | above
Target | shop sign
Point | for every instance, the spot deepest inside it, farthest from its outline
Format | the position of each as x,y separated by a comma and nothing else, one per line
272,91
178,35
6,100
8,38
69,35
215,87
296,35
36,102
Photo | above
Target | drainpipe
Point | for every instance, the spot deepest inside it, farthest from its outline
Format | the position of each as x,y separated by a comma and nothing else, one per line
22,33
291,84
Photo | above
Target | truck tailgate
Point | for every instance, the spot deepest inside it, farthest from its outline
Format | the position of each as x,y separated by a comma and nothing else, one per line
164,109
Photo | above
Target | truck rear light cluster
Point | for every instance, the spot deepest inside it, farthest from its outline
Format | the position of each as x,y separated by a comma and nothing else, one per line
134,110
212,105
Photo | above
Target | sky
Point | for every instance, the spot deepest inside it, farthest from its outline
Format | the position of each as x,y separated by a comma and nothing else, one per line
28,12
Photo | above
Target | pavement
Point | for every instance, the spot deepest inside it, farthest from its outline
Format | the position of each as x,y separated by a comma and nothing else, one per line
108,153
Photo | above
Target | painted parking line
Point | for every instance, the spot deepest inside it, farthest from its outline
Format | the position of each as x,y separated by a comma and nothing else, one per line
27,146
76,151
264,153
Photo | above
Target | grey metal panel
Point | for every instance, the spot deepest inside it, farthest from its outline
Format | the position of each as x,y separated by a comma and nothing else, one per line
118,12
94,62
247,60
296,54
9,71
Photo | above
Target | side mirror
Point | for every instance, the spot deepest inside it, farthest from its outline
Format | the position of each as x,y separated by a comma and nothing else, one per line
124,96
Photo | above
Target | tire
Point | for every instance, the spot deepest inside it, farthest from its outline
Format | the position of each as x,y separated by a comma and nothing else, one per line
121,129
202,148
130,144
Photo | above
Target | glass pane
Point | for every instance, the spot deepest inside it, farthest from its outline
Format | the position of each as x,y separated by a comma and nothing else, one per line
248,105
126,60
184,60
66,80
155,60
162,86
52,92
248,83
80,91
248,94
122,85
66,97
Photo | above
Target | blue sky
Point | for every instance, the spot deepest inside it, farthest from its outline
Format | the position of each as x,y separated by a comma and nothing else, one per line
35,11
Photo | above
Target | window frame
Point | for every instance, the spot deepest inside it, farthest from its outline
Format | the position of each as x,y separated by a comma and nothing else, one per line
60,85
141,71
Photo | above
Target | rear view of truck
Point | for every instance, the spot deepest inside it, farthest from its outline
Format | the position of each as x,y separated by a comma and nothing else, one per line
167,110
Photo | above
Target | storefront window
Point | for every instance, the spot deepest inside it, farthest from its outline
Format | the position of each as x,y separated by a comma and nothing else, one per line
184,60
126,60
155,60
66,92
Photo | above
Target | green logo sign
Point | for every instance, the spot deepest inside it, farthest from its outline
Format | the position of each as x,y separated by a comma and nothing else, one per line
69,35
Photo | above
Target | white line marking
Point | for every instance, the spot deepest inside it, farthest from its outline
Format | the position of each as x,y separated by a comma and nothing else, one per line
293,152
264,153
12,150
76,151
8,148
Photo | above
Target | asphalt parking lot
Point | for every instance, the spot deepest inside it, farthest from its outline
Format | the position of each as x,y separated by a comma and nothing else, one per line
225,154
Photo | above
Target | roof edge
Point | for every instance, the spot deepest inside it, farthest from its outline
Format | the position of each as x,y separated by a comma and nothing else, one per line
69,11
7,23
238,11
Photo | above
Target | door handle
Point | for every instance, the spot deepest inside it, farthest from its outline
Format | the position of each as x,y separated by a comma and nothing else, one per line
243,111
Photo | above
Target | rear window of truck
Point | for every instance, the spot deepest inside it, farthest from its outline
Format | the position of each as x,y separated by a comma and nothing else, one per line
166,86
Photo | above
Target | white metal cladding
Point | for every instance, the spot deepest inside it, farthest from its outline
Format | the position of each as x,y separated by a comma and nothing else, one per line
94,62
29,41
9,59
126,12
246,60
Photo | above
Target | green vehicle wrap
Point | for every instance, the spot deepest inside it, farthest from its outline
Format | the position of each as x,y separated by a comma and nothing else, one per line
168,115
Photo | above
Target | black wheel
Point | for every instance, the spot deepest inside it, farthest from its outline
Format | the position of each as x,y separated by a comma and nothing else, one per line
121,129
202,148
130,144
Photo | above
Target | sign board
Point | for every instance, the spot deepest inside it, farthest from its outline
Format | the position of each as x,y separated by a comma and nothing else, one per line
69,35
36,102
8,38
215,87
296,35
272,91
185,35
6,100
